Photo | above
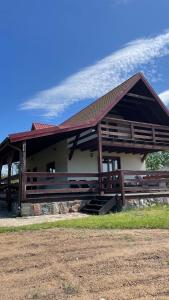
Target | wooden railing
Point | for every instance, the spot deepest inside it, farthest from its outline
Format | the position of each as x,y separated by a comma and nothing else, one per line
45,185
134,132
126,182
9,190
146,181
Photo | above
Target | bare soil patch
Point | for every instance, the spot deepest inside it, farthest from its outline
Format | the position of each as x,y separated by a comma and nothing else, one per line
8,221
85,264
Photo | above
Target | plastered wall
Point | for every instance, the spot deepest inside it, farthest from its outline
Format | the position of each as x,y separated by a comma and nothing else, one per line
57,153
82,161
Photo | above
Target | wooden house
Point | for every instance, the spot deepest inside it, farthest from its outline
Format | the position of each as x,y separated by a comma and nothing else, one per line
96,157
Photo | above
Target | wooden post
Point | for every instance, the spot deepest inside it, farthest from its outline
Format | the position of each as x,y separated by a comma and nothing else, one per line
144,157
153,134
132,131
121,178
0,171
74,146
22,172
100,157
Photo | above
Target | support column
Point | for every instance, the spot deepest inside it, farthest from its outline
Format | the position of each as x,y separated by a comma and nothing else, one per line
100,157
121,178
0,171
22,172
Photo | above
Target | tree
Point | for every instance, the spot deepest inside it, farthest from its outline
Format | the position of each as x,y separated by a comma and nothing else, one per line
157,160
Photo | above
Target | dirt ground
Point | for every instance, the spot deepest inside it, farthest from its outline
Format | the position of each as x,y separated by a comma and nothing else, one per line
83,264
21,221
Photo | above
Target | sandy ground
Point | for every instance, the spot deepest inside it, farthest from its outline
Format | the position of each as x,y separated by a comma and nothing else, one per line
83,264
7,221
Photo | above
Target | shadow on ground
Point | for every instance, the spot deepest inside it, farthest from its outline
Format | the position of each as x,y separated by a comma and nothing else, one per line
4,213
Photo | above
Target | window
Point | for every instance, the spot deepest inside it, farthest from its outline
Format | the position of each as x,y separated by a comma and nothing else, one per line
111,163
50,167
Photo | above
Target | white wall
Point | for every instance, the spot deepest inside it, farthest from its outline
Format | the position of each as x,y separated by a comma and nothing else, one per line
57,153
82,161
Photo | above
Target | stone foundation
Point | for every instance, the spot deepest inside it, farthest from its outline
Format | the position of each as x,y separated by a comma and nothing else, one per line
146,202
51,208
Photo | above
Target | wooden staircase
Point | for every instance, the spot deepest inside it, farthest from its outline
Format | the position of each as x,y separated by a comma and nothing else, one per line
100,205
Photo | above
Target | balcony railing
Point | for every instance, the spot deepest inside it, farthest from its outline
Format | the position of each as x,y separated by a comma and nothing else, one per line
133,133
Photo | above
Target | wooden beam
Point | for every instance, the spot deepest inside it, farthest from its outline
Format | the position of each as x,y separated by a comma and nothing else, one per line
100,157
1,165
22,192
121,180
135,145
140,96
132,131
74,146
144,157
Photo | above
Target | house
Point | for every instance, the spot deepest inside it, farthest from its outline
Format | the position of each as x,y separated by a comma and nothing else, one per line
96,158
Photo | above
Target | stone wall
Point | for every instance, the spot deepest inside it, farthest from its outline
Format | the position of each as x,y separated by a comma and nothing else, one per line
48,208
145,202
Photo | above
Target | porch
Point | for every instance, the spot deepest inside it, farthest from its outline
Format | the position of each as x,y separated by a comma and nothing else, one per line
121,185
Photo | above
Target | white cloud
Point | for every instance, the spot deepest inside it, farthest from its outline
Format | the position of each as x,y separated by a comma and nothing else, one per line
165,96
97,79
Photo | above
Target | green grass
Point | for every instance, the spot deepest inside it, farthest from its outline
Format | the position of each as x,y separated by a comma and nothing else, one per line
154,217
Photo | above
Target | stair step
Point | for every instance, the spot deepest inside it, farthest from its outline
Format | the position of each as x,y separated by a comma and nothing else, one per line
105,198
99,202
94,204
93,207
92,211
99,205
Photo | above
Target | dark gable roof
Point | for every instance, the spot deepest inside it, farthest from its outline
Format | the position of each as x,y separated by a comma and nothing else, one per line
93,113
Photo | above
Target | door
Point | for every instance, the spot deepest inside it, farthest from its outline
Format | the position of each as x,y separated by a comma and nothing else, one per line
110,164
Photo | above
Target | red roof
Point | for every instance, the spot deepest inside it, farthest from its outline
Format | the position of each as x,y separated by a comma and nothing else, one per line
91,115
21,136
36,126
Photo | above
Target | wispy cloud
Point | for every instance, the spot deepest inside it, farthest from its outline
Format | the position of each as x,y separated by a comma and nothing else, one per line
121,1
95,80
165,96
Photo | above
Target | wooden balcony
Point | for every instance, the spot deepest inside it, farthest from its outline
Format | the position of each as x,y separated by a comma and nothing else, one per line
129,134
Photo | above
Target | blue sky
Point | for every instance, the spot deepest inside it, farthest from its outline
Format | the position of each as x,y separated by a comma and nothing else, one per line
59,55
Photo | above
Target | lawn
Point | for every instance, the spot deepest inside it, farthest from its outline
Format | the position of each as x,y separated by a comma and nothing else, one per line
152,218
